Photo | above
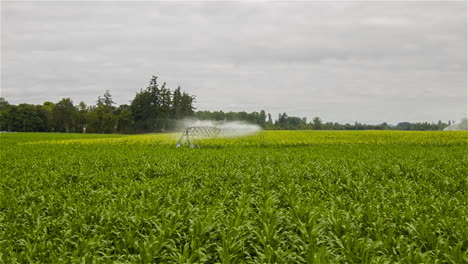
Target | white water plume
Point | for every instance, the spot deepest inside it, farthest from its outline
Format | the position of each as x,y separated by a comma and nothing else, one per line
226,128
462,126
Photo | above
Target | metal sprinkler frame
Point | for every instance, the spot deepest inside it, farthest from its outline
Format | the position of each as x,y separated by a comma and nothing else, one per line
190,135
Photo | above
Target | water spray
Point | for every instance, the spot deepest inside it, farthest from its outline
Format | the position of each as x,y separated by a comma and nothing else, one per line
462,126
196,129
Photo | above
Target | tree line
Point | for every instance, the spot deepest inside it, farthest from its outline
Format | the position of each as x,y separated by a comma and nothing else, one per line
157,109
153,109
285,122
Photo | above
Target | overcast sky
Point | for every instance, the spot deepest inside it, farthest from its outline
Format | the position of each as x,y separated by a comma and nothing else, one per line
343,61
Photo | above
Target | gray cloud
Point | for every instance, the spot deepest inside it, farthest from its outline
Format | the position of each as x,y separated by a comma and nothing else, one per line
343,61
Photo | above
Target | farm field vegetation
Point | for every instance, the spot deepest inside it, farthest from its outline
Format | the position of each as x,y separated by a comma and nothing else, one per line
272,197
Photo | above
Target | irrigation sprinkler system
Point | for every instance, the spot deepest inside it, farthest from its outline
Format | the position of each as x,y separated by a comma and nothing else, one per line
191,135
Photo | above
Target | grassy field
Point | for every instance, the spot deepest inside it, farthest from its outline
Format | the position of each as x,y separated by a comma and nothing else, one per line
275,197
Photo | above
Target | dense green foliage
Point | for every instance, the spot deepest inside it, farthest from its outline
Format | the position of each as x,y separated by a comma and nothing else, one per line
274,197
153,109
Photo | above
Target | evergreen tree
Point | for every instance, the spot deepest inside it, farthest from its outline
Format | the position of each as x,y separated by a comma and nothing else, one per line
165,108
177,104
262,118
187,104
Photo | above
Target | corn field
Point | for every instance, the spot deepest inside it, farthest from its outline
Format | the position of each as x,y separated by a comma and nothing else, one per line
273,197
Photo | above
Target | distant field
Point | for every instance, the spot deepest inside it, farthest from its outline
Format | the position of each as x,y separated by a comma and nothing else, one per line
273,197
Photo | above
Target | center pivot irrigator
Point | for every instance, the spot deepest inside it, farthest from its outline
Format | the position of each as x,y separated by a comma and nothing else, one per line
192,134
195,131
